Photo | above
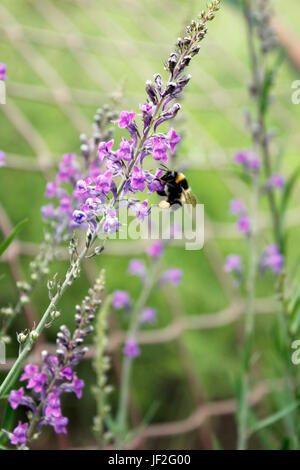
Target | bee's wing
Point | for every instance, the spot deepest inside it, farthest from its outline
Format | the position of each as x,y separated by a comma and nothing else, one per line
189,197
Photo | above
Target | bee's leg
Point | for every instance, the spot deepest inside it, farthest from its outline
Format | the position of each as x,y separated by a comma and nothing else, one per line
161,193
174,205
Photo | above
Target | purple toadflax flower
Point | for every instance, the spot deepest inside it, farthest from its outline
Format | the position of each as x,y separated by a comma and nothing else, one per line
248,160
2,158
148,315
131,348
89,191
172,275
125,119
121,299
237,206
2,71
233,264
244,225
137,268
156,248
272,259
173,139
56,376
19,434
275,181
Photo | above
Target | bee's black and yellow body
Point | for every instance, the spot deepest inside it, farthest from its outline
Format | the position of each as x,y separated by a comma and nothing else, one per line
176,189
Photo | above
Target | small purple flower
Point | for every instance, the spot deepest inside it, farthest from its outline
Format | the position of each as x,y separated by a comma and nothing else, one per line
253,163
137,268
68,169
125,119
65,206
79,217
241,158
15,397
78,385
160,148
248,160
148,315
138,179
172,275
111,222
104,148
155,250
124,152
67,373
147,113
272,259
2,158
276,181
243,224
103,182
233,263
131,348
53,407
51,190
29,372
236,206
2,71
48,211
81,186
60,425
173,139
37,381
18,436
142,210
155,184
121,299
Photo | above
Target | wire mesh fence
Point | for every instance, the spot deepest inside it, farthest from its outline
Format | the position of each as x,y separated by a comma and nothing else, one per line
100,43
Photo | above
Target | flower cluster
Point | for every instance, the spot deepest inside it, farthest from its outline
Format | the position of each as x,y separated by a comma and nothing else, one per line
233,264
248,161
117,171
237,208
46,384
67,192
271,257
147,315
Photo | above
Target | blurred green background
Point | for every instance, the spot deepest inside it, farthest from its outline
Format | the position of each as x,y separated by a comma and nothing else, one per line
64,59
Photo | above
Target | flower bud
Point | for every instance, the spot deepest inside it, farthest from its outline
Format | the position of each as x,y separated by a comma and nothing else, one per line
34,335
170,87
24,299
55,314
21,337
158,80
184,80
151,92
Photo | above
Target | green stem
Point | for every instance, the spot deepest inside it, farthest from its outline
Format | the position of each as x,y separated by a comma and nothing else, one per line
243,415
127,362
261,139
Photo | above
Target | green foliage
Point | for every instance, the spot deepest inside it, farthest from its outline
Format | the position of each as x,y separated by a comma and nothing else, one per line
5,244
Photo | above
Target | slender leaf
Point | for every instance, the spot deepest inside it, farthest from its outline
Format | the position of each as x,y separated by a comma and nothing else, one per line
8,422
288,189
275,417
5,244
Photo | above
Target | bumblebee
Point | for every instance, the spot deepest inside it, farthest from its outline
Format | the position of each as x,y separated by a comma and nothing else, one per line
176,189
